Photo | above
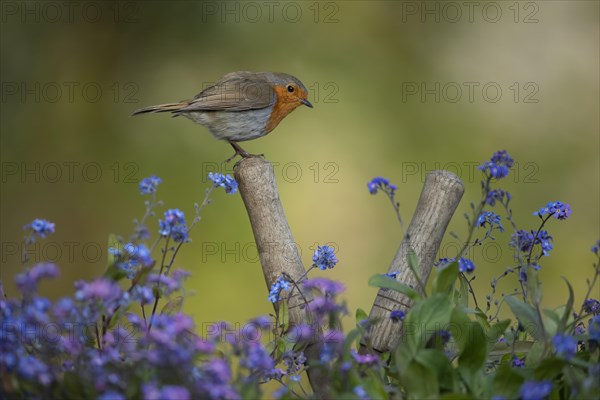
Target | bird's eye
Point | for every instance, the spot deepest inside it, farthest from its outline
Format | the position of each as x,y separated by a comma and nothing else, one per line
290,88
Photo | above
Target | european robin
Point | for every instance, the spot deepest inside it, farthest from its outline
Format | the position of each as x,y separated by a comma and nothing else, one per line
241,106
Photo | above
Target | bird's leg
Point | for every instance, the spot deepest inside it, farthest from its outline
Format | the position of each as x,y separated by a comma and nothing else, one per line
239,151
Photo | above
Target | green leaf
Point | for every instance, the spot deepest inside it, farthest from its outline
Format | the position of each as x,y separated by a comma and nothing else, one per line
507,382
496,331
426,318
568,308
463,292
437,361
536,352
403,356
413,262
473,345
74,387
552,321
113,242
116,317
360,315
549,368
533,286
472,342
456,396
420,382
445,278
173,306
113,272
527,316
353,336
385,282
501,350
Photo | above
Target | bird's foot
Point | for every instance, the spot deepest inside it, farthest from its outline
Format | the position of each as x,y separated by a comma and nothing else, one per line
241,152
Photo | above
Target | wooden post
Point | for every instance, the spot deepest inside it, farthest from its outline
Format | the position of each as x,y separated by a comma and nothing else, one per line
277,250
440,197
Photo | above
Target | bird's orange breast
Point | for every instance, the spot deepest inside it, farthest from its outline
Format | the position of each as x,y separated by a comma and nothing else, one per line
284,105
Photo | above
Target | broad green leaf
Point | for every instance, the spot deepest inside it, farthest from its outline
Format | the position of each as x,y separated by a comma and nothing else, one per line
413,262
420,382
472,343
552,321
403,356
385,282
437,361
456,396
425,318
445,278
374,384
495,332
116,317
568,308
500,350
360,315
552,315
535,354
113,242
549,368
574,378
74,387
463,292
142,275
507,382
113,272
534,292
173,306
352,336
527,317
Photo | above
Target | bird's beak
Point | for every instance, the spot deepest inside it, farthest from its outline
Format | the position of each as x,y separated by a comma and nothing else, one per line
306,103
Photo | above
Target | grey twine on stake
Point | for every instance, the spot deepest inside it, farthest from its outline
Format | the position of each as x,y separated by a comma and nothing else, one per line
277,250
439,198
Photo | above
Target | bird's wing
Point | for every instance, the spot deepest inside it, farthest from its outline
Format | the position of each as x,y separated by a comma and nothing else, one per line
235,92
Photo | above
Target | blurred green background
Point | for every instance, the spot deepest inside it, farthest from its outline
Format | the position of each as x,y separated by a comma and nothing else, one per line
391,84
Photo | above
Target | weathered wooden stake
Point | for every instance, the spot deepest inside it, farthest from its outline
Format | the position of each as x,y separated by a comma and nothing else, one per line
440,197
277,250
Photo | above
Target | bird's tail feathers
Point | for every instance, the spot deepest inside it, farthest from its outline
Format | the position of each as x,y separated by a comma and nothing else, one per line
172,107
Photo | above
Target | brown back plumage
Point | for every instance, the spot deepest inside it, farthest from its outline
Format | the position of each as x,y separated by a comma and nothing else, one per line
237,91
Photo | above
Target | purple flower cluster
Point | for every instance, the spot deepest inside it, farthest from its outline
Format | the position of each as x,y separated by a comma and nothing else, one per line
465,265
523,241
114,354
499,165
326,286
174,226
275,293
149,185
488,218
27,281
132,257
294,363
365,359
565,346
596,247
397,315
498,195
591,306
534,390
324,257
517,362
379,183
225,181
40,227
556,209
